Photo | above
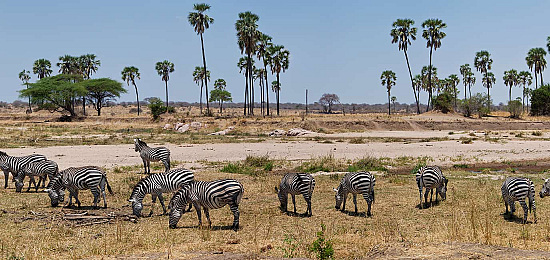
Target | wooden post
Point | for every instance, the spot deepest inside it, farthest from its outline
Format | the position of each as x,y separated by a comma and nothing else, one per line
306,101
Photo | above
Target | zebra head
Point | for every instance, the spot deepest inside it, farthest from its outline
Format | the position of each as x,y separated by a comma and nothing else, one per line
56,191
338,197
545,191
137,206
177,206
138,144
442,190
19,180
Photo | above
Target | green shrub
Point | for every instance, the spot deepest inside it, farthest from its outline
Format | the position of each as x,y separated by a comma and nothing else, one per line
157,107
476,105
540,101
515,108
417,167
289,251
322,247
231,168
443,102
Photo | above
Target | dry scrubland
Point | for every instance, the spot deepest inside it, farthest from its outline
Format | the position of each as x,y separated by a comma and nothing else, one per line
469,224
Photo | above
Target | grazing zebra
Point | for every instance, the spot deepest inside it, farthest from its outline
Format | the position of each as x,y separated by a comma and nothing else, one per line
75,179
296,183
41,169
156,184
430,177
356,183
152,154
12,164
208,195
545,191
517,189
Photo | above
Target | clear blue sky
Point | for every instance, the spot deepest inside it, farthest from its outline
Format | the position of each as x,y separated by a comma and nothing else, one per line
335,47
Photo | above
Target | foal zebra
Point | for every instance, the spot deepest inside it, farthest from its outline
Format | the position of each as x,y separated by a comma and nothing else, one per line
296,183
208,195
152,154
156,184
430,177
13,164
41,169
75,179
356,183
517,189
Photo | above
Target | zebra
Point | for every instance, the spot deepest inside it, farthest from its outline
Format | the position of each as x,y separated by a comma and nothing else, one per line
355,183
207,195
156,184
296,183
517,189
152,154
41,169
75,179
430,177
545,191
12,164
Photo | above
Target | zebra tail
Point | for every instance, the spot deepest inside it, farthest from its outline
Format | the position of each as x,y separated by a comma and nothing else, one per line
372,188
108,186
531,196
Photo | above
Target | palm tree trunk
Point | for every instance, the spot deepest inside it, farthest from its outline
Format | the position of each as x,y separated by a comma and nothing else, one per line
205,77
83,106
541,81
523,99
510,94
389,104
536,81
266,90
278,90
200,100
166,95
137,97
221,102
470,89
430,77
251,78
246,91
30,103
412,83
488,99
456,94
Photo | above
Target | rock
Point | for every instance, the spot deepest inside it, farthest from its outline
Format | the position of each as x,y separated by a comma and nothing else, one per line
277,132
196,125
178,125
223,132
298,132
183,128
167,126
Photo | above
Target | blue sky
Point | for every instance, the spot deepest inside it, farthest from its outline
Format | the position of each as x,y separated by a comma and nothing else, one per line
335,47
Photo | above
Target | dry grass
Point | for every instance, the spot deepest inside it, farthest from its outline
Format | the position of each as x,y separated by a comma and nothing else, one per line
472,213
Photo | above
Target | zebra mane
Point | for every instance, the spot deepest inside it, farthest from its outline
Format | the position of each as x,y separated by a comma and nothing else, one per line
2,153
137,188
141,142
55,180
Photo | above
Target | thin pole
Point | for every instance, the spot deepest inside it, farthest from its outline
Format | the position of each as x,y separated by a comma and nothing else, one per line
306,101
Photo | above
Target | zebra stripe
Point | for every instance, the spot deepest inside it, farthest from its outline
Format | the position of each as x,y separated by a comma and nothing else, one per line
517,189
356,183
12,164
207,195
431,177
293,184
152,154
75,179
156,184
41,169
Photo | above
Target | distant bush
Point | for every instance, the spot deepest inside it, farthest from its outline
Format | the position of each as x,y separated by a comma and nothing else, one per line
540,101
515,108
443,102
476,105
134,110
157,107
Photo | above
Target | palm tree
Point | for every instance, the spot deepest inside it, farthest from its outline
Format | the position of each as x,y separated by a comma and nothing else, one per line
164,68
402,33
465,71
488,82
388,80
433,35
525,79
548,43
536,62
129,74
510,79
220,84
264,41
87,66
200,23
247,37
279,62
199,75
259,75
393,99
25,76
276,87
527,92
42,68
69,65
453,81
429,75
418,82
243,66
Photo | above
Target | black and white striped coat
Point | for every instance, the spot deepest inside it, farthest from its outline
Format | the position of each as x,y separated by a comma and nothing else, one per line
294,184
75,179
431,177
42,170
355,183
13,164
518,189
207,195
156,184
152,154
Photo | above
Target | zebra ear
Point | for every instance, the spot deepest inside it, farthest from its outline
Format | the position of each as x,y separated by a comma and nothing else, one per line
334,189
47,190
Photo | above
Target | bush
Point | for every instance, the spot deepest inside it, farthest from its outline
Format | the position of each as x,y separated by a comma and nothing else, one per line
322,247
443,102
540,101
157,107
515,108
476,105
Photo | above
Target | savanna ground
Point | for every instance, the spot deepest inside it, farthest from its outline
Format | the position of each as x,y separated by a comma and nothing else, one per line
476,155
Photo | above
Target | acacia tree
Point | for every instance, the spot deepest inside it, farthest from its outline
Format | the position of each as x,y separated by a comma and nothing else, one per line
433,35
280,59
42,68
220,95
536,62
200,23
247,38
25,76
327,100
510,79
99,91
525,79
388,80
164,68
402,33
483,63
129,74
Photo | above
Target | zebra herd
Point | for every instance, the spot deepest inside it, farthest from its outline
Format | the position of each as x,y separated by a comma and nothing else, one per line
206,195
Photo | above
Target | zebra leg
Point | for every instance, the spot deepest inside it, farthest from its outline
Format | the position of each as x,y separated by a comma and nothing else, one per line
161,200
307,198
294,202
144,166
344,202
95,193
207,214
102,187
525,210
31,180
198,208
76,197
420,190
6,177
154,201
235,209
190,206
506,205
431,196
426,194
166,165
355,202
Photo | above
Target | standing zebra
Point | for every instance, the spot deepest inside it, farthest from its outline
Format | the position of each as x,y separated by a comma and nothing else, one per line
356,183
517,189
75,179
156,184
296,183
152,154
41,169
430,177
208,195
14,164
